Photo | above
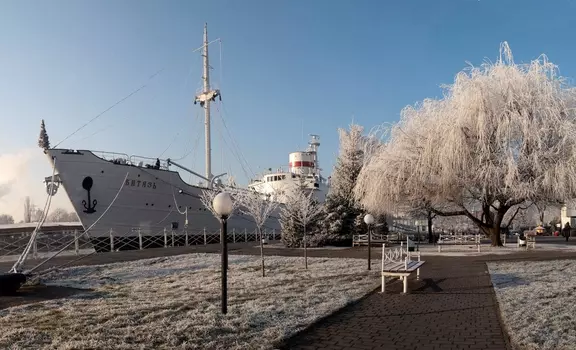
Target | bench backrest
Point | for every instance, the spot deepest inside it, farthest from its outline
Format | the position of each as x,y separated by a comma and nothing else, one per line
396,255
459,238
392,254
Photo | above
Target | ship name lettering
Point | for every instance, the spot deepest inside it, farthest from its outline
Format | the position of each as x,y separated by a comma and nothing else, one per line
140,183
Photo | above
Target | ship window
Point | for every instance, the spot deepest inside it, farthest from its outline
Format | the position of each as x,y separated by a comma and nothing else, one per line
275,178
283,177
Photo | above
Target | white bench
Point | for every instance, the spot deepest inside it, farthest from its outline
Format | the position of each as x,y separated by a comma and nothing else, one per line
375,238
396,262
530,241
458,240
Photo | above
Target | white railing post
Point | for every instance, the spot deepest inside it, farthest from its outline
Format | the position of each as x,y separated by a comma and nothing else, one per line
245,235
383,278
76,243
111,240
234,235
140,239
204,235
172,243
165,238
185,238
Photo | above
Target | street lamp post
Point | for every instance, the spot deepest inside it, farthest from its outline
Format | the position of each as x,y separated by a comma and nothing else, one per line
369,220
223,206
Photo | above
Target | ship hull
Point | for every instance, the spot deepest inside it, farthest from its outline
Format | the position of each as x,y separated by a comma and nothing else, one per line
115,198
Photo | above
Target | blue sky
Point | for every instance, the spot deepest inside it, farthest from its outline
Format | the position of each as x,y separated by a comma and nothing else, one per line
284,64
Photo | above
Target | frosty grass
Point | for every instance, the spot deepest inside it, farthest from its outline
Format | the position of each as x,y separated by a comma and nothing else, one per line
537,302
174,303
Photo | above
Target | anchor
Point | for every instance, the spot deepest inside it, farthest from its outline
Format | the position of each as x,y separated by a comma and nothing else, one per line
88,205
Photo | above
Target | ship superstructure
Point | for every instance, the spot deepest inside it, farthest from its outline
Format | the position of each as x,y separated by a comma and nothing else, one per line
303,171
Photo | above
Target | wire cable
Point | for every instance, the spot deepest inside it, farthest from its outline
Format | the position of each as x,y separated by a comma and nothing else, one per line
112,106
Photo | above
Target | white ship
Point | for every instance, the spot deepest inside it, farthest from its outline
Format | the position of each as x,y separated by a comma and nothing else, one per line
144,195
303,171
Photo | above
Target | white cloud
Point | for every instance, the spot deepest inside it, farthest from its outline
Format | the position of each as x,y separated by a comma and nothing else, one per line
21,175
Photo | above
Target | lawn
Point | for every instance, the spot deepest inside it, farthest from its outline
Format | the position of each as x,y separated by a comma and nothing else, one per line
174,303
537,302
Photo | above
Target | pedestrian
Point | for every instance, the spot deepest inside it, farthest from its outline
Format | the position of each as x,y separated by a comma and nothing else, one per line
566,231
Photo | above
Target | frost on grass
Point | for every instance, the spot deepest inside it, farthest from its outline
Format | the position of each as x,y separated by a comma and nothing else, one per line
537,302
174,303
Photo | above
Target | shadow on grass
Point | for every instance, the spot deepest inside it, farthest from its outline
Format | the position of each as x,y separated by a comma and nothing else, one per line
38,293
507,280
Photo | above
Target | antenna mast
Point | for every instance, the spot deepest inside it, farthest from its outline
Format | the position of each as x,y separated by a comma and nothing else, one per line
205,97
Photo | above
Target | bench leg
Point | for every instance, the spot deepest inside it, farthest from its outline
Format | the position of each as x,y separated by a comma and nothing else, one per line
383,284
439,249
405,284
417,274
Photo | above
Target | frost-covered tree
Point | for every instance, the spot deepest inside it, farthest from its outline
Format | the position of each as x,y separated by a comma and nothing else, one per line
259,209
207,197
62,215
424,211
6,219
28,209
299,217
342,208
349,164
360,227
43,141
502,135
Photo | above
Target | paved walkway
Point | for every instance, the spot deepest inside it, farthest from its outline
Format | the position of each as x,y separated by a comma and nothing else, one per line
452,307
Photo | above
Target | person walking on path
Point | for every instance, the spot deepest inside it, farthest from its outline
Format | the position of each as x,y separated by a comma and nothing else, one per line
566,231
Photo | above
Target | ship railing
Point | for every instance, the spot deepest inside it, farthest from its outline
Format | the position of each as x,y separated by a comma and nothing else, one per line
119,158
142,161
139,239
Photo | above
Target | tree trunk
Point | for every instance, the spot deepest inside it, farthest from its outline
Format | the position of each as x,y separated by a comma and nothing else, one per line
430,233
261,250
305,250
494,234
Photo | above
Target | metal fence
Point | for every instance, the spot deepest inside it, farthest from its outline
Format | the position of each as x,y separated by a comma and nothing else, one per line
76,242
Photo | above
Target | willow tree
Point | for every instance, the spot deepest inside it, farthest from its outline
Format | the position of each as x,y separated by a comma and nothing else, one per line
503,134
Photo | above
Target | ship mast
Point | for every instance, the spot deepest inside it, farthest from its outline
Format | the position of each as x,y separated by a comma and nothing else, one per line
204,98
